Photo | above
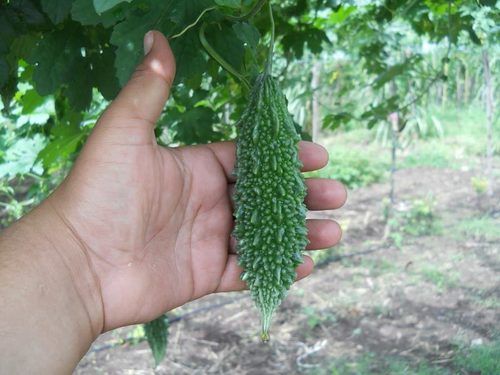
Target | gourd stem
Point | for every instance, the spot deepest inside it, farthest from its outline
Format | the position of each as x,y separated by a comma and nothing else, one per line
252,12
269,64
192,24
215,55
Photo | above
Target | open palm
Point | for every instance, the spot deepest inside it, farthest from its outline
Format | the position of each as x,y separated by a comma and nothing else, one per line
155,222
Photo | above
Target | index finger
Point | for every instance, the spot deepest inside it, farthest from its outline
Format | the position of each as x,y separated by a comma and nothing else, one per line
312,155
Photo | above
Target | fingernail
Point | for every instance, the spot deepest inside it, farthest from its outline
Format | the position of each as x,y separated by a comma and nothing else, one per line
148,42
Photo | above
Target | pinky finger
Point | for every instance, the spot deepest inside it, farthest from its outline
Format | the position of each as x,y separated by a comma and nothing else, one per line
231,282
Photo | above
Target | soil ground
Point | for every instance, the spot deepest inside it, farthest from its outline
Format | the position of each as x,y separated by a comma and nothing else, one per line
417,304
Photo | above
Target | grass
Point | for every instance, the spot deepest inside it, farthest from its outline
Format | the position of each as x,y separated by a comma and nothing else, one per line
378,266
442,280
353,168
432,153
480,359
370,364
480,228
315,317
488,302
323,257
464,135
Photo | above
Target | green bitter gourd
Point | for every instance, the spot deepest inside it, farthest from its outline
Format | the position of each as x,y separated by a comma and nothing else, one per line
270,214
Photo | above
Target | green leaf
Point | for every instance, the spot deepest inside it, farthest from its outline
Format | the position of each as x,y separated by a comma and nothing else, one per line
223,39
333,121
59,149
103,5
79,85
22,47
66,137
236,4
31,101
247,33
186,12
4,71
380,112
57,10
191,62
295,40
104,73
394,71
84,12
341,14
53,57
157,335
21,156
128,36
194,125
58,61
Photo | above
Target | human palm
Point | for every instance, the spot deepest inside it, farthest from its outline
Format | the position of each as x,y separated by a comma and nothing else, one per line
155,222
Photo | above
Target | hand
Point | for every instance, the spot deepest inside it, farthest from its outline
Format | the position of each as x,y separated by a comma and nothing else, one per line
155,222
135,230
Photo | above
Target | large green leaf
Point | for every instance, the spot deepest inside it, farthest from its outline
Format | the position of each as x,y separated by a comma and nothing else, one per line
224,40
296,40
128,36
66,136
104,72
191,62
184,13
53,58
235,4
247,33
104,5
194,126
57,10
84,12
59,61
4,71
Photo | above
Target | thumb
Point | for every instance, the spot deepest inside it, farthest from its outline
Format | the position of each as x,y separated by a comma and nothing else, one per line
141,101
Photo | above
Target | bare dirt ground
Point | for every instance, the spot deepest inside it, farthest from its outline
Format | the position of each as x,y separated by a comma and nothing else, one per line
417,302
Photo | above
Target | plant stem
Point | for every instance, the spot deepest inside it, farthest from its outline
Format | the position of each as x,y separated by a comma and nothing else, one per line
252,12
215,55
269,64
192,24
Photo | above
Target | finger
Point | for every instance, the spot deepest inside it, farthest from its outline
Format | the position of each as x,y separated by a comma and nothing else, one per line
322,233
312,155
141,101
324,194
231,281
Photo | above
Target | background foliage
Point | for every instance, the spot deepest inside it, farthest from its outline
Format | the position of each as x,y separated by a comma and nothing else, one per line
62,61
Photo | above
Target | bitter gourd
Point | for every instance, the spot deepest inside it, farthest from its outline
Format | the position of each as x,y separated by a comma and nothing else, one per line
269,198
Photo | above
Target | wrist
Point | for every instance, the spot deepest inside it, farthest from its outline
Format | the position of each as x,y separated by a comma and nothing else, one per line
52,300
67,249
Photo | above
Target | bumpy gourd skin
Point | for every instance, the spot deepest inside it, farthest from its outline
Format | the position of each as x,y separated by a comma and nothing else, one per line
270,214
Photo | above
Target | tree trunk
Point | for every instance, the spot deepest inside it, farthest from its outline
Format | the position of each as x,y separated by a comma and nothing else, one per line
316,116
459,85
488,96
466,85
394,148
444,96
394,131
